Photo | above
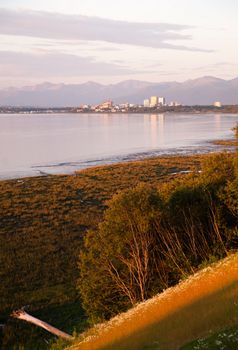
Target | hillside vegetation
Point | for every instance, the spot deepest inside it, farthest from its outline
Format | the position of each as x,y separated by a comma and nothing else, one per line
42,224
197,307
44,219
150,238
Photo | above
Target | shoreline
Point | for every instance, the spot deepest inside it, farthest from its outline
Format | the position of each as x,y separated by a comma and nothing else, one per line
55,111
213,146
151,128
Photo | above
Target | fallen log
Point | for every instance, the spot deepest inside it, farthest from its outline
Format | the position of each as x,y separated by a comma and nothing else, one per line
22,315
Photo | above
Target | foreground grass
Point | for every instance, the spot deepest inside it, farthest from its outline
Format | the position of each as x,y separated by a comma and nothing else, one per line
226,340
196,308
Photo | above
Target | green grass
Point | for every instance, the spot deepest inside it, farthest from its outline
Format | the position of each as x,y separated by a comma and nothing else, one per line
225,340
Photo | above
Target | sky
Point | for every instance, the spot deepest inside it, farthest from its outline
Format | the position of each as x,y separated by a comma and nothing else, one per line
106,41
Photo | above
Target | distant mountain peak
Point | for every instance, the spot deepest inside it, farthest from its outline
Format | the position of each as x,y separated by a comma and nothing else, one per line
91,83
205,79
204,90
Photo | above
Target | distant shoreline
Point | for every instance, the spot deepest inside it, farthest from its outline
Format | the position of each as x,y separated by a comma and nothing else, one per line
215,135
233,109
213,146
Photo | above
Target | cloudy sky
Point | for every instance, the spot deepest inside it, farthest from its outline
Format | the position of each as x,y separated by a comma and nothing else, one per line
72,41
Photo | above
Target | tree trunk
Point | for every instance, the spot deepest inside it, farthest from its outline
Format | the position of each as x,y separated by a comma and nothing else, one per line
22,315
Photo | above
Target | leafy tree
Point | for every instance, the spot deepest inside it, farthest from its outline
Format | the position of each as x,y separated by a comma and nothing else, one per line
120,264
236,157
236,131
150,238
217,170
193,222
228,195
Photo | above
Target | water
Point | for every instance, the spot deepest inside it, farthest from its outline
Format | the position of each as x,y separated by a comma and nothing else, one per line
32,145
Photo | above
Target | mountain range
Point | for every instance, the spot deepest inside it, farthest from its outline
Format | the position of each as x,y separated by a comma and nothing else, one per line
201,91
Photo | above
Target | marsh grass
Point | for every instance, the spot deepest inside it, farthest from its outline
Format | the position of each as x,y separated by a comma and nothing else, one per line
231,143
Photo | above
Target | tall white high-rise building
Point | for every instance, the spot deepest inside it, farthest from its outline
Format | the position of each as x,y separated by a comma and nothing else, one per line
217,104
147,103
161,101
153,101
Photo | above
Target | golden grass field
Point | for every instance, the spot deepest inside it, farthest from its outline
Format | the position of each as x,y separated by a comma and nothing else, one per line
203,304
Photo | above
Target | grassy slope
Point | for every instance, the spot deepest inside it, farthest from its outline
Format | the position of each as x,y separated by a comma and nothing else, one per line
203,304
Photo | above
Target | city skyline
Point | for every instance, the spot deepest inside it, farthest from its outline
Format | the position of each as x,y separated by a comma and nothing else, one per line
74,42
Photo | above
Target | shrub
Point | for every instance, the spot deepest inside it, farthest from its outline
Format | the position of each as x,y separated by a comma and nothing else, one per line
118,265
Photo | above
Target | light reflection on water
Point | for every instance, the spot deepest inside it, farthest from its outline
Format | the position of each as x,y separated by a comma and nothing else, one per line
63,143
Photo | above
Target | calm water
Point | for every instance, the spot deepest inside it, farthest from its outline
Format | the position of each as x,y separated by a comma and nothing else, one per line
36,144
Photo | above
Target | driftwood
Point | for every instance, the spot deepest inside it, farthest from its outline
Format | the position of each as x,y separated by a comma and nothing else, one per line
22,315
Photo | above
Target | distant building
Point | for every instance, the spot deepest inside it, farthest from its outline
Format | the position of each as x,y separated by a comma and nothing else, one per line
217,104
106,105
124,105
153,101
161,101
174,104
85,107
147,103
